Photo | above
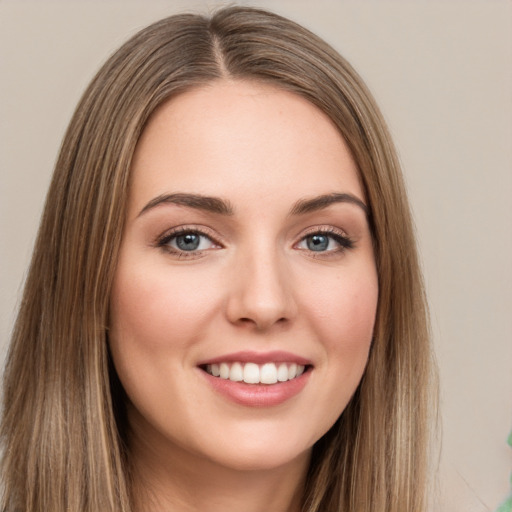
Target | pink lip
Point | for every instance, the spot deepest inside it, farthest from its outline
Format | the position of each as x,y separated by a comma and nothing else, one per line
276,356
257,395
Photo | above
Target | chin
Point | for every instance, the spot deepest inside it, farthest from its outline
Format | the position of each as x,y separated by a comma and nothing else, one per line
264,459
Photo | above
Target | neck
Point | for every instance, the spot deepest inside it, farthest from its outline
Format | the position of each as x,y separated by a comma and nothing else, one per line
178,481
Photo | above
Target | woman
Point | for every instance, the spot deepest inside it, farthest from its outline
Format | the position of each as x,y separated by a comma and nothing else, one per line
227,206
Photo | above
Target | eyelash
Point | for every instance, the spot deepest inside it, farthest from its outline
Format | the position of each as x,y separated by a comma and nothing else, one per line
164,241
344,242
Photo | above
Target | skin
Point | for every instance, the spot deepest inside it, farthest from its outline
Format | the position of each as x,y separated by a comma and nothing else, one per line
254,284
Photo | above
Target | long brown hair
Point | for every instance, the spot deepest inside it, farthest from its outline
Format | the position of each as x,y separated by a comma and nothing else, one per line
62,428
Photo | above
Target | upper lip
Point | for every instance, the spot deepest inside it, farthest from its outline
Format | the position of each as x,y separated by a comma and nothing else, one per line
275,356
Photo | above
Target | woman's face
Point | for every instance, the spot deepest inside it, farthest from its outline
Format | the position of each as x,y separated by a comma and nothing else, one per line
246,251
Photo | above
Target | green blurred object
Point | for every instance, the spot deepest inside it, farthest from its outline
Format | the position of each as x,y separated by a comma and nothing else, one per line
506,506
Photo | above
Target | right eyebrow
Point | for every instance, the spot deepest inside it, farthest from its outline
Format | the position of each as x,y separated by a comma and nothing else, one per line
320,202
197,201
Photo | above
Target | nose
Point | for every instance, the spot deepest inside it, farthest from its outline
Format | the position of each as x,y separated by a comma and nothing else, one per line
261,292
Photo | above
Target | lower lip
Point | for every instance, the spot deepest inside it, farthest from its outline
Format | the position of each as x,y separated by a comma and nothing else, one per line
258,395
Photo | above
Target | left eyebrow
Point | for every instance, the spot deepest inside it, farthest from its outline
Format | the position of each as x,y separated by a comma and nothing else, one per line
320,202
196,201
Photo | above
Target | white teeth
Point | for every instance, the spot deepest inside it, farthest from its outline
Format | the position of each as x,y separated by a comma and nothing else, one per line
224,371
268,374
252,373
282,373
237,372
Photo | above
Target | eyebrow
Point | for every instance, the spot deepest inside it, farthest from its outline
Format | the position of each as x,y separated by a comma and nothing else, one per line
197,201
223,207
320,202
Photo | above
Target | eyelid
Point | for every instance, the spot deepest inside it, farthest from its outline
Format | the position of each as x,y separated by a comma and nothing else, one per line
325,229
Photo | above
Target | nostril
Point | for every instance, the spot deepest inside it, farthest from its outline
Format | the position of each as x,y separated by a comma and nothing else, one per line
262,324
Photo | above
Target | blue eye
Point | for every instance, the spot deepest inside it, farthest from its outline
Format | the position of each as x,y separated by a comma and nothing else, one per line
187,241
318,242
329,242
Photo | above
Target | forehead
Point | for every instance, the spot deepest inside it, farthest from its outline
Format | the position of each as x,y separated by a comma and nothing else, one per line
238,138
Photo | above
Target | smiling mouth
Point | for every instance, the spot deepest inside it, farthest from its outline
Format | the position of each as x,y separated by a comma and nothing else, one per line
252,373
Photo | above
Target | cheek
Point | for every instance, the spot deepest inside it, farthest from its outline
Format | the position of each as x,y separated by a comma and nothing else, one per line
345,308
154,308
156,318
341,311
344,319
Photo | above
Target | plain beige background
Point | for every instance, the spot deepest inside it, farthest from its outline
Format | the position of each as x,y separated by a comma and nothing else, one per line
441,72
